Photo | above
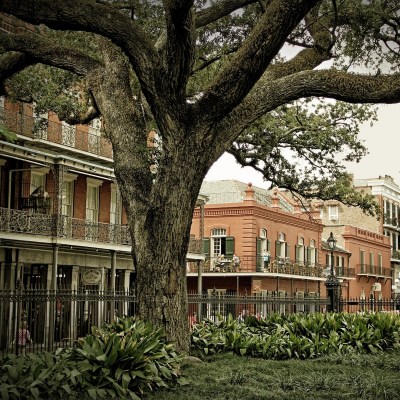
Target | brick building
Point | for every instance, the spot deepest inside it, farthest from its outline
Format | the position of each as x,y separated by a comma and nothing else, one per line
243,220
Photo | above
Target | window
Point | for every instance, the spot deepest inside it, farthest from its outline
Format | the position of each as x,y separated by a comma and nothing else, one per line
38,179
282,248
92,208
380,264
92,203
218,244
300,250
362,261
67,198
263,241
115,206
312,253
333,213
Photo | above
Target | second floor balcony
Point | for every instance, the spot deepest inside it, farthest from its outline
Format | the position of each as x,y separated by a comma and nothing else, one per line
373,271
29,224
52,134
276,266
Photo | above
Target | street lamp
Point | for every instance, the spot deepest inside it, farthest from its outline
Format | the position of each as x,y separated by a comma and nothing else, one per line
332,282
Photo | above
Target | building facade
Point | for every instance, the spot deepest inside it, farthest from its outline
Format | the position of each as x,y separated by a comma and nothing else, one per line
62,225
245,222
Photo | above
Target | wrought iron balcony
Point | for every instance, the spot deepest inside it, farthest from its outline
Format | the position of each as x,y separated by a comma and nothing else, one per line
278,266
55,133
372,270
35,223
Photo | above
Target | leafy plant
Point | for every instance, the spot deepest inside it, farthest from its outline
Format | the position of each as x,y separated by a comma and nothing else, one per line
123,360
299,336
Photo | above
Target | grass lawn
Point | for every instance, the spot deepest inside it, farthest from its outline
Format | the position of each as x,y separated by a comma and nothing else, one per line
349,377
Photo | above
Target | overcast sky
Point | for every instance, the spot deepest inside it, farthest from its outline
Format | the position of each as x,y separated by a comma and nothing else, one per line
382,141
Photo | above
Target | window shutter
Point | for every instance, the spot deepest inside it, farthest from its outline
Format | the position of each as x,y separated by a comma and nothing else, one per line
287,251
206,247
258,247
328,262
258,254
230,246
268,245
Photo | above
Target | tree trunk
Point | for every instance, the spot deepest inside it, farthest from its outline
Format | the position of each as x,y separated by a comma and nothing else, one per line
160,249
159,204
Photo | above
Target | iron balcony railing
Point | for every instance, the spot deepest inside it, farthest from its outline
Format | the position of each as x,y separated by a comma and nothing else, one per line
373,270
251,264
56,133
31,223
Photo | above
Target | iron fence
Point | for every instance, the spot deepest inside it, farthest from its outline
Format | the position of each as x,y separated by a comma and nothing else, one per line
58,318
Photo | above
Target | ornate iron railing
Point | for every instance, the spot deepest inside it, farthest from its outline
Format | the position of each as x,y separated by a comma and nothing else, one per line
373,270
274,266
31,223
55,132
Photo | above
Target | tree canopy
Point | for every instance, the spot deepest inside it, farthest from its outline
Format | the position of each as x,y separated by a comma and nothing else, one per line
244,76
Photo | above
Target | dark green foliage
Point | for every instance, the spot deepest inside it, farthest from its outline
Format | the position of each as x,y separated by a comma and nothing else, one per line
353,376
122,360
299,336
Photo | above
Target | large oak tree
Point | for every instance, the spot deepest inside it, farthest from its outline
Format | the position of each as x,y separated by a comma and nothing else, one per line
209,76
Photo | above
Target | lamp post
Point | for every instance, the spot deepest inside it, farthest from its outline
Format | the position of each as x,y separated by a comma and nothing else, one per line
332,282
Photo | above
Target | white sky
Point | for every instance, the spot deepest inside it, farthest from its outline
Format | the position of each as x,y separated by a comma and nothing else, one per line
382,141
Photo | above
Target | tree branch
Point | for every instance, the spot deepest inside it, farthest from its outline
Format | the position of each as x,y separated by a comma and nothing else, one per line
11,63
218,10
180,45
43,50
250,62
92,17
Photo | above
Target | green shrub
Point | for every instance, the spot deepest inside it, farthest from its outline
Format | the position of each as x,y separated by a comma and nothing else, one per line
299,335
122,360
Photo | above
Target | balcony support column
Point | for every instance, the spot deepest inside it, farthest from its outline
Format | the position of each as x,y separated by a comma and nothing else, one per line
52,303
112,284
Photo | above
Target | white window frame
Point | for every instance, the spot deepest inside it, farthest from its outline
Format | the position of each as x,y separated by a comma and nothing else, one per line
263,240
115,206
217,234
39,176
93,184
333,211
68,180
313,252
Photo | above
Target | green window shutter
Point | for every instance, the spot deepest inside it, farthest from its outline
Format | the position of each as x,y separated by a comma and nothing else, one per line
258,255
206,247
258,247
230,246
316,257
268,245
328,263
287,250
